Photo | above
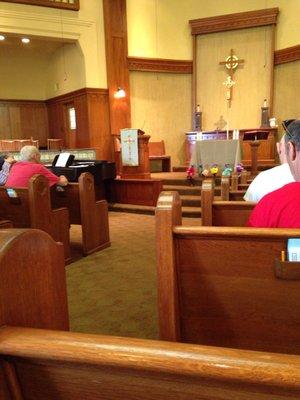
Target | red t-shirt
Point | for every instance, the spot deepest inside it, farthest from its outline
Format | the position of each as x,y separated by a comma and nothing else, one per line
22,171
278,209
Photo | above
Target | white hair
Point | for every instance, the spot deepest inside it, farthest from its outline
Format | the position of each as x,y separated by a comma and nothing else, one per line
29,153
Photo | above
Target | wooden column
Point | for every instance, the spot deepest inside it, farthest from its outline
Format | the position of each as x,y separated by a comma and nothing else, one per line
254,147
142,171
115,25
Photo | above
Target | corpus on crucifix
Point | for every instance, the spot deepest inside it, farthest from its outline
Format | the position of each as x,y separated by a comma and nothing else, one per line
231,63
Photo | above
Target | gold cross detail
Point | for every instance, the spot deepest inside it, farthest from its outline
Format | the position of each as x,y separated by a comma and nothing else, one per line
231,63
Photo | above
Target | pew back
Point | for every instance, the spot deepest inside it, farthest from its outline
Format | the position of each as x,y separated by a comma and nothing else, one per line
32,209
33,282
46,364
62,365
217,285
223,213
79,198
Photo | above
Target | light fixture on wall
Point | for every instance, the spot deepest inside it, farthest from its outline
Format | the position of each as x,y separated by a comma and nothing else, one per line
2,37
25,40
119,93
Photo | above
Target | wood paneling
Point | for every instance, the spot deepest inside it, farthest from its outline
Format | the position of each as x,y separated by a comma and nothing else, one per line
229,22
136,191
49,3
92,118
116,63
23,119
160,65
287,55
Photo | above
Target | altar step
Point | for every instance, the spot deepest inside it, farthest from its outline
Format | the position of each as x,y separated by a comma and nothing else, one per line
189,212
184,190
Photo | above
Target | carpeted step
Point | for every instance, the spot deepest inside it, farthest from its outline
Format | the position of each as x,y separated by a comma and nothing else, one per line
184,190
191,212
190,201
131,208
181,182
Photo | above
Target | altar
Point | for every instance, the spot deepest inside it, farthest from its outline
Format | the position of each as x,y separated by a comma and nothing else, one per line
215,151
266,151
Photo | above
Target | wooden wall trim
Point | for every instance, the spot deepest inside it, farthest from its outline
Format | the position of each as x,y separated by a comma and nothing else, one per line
160,65
20,101
115,28
229,22
50,4
76,93
286,55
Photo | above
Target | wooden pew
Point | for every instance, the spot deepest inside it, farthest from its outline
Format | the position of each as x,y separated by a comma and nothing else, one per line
32,209
222,286
48,364
230,188
157,152
52,365
222,213
84,210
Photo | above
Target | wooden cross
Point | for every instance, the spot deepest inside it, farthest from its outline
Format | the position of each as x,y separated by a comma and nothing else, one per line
231,63
129,140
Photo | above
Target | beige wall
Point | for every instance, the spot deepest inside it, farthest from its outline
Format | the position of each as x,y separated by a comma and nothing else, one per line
161,29
23,74
161,106
287,84
86,26
66,71
252,78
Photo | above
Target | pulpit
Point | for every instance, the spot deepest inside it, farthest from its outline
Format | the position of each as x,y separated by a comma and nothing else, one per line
142,170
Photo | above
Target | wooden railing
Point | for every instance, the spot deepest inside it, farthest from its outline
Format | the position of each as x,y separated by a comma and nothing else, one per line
66,4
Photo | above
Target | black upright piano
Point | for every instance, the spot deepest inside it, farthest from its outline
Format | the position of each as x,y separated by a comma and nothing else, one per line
104,173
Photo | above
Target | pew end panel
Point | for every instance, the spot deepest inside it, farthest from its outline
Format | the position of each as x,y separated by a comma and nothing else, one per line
42,216
167,215
80,199
94,216
33,282
50,365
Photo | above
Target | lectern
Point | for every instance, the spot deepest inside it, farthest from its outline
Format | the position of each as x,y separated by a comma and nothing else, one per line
142,170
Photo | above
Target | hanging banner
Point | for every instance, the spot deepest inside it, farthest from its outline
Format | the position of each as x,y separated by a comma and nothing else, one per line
129,147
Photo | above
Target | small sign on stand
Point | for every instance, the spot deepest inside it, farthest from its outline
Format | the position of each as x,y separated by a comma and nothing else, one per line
129,145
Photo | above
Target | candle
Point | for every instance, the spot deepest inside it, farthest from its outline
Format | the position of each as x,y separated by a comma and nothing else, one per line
265,102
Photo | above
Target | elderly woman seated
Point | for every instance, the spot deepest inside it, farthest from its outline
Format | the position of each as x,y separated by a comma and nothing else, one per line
30,165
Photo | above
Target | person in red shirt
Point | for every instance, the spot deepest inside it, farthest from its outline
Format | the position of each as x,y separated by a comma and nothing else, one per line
28,166
281,208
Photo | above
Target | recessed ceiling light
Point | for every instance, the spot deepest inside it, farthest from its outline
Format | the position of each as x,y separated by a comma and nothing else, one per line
25,40
2,37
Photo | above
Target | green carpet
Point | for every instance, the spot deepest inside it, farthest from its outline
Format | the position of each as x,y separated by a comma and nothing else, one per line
114,291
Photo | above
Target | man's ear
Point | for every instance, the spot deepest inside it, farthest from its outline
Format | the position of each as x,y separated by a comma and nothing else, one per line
292,151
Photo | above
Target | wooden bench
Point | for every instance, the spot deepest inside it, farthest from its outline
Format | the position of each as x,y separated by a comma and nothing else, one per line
222,213
32,209
231,189
48,364
157,152
92,215
222,286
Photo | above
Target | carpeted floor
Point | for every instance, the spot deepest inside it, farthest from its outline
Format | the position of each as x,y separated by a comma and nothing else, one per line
114,291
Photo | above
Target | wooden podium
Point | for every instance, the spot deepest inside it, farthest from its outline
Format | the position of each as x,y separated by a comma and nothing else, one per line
142,171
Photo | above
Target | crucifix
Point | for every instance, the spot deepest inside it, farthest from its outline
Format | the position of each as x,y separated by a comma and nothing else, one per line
129,141
231,63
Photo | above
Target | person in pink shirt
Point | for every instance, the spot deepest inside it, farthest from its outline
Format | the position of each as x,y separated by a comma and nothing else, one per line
30,165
